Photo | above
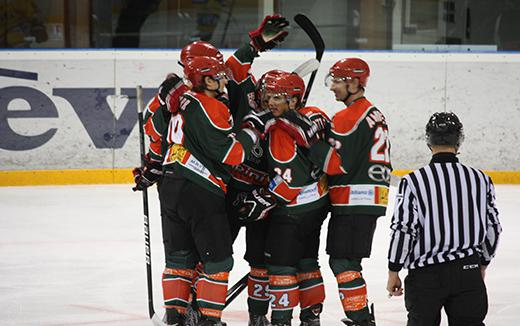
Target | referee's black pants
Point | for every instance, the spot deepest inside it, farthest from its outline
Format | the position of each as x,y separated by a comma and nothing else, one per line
457,286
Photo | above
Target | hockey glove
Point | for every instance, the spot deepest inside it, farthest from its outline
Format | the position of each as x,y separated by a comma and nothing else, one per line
256,205
146,176
300,127
170,91
259,122
269,34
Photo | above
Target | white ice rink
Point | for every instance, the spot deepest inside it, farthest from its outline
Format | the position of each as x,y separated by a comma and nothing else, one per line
74,255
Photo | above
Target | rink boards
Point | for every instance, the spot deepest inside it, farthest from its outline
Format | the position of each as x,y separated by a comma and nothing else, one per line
69,117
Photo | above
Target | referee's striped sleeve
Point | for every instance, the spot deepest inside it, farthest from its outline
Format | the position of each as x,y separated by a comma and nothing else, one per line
493,227
404,226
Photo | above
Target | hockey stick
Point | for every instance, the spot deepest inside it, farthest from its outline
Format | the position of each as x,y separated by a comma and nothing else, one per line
140,108
236,289
307,67
305,23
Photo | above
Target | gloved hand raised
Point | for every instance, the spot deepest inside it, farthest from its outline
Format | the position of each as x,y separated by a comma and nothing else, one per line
270,33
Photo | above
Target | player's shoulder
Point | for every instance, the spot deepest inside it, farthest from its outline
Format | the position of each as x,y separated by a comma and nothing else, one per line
153,105
282,146
313,111
215,111
348,120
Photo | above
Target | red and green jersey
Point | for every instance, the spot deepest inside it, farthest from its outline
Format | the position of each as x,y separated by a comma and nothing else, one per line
253,172
240,91
241,88
201,143
296,182
356,160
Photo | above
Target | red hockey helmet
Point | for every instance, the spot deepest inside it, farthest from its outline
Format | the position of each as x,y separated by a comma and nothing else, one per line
289,84
350,68
267,77
199,49
198,67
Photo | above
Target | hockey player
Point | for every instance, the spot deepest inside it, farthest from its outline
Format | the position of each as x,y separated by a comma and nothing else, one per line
200,146
164,103
248,177
356,159
248,201
249,180
295,223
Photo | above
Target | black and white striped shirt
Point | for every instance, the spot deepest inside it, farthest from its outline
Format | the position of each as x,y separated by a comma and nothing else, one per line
443,212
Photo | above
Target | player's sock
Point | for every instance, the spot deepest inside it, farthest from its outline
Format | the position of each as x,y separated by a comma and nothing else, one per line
176,284
257,285
312,291
312,295
211,294
353,295
284,292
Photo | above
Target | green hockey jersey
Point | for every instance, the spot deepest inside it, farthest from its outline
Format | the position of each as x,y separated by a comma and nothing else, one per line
240,100
356,159
201,143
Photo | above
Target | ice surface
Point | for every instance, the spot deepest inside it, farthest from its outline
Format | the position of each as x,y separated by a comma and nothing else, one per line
74,255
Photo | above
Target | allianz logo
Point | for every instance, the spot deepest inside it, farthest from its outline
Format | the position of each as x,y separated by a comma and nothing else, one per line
368,192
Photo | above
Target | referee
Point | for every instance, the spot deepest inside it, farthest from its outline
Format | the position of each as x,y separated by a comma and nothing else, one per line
445,231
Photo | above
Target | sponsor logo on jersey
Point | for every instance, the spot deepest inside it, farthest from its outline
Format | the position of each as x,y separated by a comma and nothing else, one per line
379,173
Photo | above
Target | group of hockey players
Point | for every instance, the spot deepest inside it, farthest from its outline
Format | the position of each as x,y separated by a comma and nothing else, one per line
227,151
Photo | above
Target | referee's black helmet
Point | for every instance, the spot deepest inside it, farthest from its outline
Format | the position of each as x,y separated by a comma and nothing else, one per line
444,128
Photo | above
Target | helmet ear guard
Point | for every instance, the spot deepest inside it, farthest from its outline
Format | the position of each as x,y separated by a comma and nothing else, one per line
444,129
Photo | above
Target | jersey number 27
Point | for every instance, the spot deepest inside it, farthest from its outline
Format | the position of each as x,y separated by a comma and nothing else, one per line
380,151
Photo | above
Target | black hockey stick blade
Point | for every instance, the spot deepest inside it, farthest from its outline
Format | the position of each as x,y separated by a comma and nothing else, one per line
236,289
319,46
307,25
